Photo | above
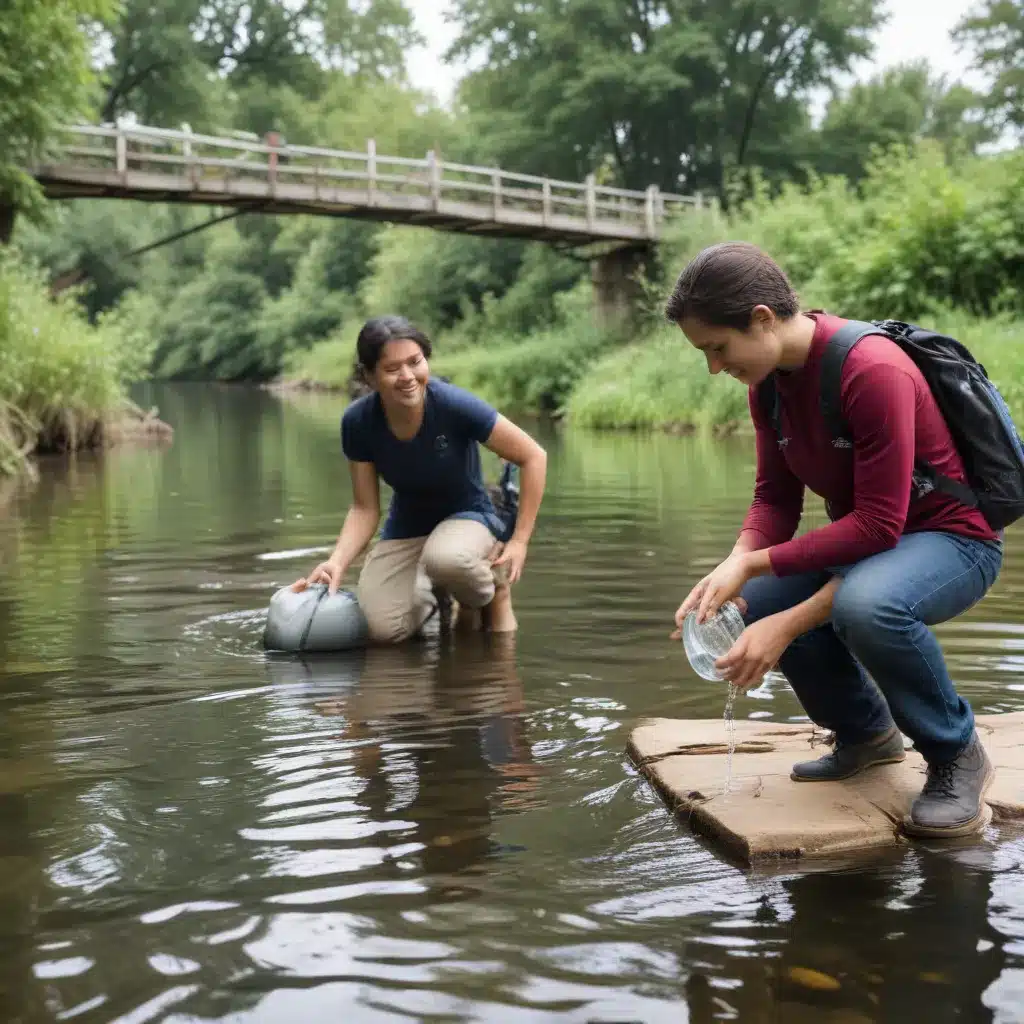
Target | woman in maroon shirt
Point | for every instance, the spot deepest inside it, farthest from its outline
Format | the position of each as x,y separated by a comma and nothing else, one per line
845,609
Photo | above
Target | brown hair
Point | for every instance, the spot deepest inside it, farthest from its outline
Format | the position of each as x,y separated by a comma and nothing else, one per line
722,284
376,333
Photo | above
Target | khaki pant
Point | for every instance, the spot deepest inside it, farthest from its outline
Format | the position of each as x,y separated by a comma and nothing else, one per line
395,586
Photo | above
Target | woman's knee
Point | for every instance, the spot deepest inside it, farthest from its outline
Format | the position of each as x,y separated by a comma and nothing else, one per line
446,563
861,610
464,571
392,616
383,629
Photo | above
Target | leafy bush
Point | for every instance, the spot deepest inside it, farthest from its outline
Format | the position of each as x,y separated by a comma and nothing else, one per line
328,364
60,377
535,375
918,233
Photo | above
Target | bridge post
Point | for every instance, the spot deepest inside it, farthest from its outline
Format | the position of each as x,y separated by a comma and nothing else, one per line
434,172
496,193
371,172
273,141
651,211
616,291
590,199
121,152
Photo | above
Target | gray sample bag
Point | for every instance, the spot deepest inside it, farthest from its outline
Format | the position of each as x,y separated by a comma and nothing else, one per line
312,620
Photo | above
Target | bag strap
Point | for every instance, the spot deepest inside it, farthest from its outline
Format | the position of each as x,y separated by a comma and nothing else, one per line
832,360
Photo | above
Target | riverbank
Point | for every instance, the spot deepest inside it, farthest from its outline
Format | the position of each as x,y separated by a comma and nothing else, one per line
658,382
63,380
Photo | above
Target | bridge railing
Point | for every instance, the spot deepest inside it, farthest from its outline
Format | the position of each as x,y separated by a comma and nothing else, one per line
205,159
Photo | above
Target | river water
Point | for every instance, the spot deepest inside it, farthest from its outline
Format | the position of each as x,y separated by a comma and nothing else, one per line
190,831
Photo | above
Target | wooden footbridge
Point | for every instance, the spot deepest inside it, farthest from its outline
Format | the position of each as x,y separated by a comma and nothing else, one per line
272,176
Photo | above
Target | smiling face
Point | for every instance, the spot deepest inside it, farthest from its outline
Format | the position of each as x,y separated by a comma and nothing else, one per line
748,355
401,374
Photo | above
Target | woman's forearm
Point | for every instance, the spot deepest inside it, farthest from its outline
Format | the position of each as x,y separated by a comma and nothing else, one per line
532,476
356,532
747,542
814,612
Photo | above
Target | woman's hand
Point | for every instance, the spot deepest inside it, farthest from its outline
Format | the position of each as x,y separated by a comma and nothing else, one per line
513,557
329,572
721,585
757,651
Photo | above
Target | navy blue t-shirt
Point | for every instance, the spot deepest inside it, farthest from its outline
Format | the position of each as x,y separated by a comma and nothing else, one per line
434,475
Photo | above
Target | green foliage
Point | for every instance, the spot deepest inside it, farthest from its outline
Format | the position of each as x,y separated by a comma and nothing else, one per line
995,33
329,364
919,239
175,60
434,278
916,234
60,377
45,80
673,94
544,291
95,239
536,374
899,106
663,382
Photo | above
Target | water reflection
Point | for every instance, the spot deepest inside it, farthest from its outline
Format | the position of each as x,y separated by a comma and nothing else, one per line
437,740
843,942
193,831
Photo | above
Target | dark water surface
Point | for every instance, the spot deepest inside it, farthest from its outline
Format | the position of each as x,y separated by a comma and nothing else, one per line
192,832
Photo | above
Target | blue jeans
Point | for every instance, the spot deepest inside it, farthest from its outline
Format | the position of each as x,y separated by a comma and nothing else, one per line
879,635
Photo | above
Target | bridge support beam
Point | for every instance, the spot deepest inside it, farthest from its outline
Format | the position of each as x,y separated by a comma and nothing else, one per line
616,292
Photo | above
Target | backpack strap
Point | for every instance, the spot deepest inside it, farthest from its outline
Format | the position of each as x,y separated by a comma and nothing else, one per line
832,360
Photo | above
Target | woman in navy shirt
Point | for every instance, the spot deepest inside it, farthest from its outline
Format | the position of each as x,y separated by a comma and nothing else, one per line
421,436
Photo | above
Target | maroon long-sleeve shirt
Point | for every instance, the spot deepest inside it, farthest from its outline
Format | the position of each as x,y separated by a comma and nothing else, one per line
892,419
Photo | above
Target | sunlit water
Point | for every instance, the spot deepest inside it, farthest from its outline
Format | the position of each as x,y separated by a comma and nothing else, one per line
192,831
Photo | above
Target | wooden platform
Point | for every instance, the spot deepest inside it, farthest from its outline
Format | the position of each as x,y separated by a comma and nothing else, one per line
766,815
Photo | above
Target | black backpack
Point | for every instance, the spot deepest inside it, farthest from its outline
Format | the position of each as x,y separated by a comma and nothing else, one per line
975,412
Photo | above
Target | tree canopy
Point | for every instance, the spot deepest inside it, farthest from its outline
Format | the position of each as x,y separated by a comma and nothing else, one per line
675,92
45,79
994,32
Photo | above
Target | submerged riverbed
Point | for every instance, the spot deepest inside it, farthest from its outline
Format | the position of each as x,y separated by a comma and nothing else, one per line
192,831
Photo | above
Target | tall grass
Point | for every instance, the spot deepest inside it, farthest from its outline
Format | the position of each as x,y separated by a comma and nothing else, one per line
658,382
662,382
62,380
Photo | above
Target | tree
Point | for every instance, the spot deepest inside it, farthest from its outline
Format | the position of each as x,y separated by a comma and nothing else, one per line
995,33
45,80
901,105
168,58
674,92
